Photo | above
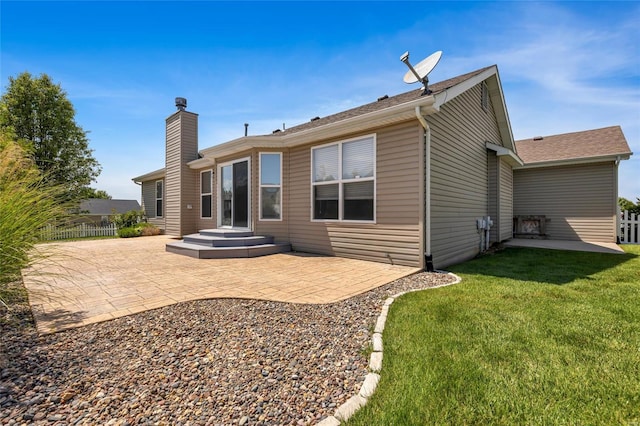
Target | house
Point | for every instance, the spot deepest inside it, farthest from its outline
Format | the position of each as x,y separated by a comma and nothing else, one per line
97,211
571,180
402,180
418,179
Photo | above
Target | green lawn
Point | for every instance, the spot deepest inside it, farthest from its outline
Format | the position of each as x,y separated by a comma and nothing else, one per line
530,336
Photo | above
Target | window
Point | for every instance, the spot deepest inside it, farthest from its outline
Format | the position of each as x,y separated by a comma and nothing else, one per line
159,198
343,180
205,194
270,186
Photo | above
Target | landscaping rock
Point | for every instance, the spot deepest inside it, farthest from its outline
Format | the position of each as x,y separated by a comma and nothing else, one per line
223,361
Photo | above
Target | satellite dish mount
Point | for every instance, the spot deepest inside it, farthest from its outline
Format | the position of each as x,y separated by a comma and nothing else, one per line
421,71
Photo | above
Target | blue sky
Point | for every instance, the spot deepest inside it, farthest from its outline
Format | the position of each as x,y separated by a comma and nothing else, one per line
564,66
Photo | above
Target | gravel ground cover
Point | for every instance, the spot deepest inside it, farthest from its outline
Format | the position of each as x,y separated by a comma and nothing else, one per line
213,362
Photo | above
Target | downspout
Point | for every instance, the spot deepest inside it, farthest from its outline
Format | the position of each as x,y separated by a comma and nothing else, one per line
428,256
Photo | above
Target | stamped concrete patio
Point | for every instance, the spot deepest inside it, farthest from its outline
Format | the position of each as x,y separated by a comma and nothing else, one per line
85,282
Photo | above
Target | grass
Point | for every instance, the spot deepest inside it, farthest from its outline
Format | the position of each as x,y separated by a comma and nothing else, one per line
530,336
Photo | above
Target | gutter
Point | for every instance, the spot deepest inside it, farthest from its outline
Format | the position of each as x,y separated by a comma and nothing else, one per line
428,256
576,161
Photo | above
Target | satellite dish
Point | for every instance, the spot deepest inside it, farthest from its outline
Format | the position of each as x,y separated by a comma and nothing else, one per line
422,70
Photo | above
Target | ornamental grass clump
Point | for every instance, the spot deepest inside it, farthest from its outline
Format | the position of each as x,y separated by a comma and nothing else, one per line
27,203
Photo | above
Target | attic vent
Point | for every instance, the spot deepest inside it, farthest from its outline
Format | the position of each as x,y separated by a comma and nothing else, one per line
315,118
485,97
382,98
538,138
276,131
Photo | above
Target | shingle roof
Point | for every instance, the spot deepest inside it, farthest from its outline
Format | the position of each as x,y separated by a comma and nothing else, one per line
383,103
608,141
102,207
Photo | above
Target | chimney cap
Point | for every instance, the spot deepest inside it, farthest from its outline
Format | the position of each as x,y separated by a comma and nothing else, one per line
181,104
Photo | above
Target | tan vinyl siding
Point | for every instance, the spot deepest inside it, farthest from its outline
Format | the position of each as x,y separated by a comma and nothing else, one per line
459,176
506,201
172,177
149,203
578,200
395,237
180,181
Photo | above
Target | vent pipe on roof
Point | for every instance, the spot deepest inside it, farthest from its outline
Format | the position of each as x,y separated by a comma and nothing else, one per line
246,129
315,118
538,138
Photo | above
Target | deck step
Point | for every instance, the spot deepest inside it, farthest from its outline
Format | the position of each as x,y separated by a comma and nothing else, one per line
203,252
216,241
226,233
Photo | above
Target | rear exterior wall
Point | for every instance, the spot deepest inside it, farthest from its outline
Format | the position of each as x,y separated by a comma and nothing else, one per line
578,201
460,175
395,235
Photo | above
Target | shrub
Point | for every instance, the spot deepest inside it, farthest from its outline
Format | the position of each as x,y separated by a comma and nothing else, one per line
129,232
128,219
148,229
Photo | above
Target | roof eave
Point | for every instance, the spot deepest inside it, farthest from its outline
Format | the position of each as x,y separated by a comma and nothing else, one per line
576,161
160,173
237,145
387,116
509,156
200,163
383,117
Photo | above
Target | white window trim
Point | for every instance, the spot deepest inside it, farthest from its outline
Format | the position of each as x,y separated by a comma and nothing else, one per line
260,186
219,192
208,193
155,190
340,181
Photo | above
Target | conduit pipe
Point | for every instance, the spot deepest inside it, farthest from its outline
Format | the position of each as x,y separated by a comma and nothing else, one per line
428,256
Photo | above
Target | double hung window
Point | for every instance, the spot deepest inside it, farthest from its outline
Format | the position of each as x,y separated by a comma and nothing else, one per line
205,194
159,197
343,180
270,186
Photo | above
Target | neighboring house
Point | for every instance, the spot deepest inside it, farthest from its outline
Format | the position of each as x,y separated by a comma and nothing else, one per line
405,180
98,211
572,180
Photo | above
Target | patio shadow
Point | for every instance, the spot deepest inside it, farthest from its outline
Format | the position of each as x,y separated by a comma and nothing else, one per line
58,319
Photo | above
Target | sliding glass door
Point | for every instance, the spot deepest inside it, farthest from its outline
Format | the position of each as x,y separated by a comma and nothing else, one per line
234,194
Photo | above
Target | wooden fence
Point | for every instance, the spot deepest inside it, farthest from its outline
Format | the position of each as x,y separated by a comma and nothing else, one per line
83,230
629,228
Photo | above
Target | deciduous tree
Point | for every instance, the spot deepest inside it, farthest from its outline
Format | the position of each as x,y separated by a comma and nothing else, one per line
38,111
